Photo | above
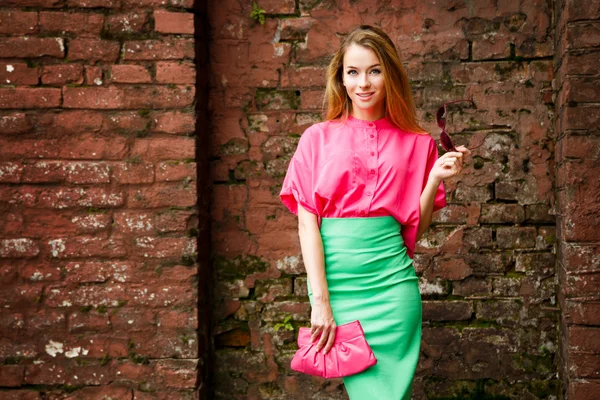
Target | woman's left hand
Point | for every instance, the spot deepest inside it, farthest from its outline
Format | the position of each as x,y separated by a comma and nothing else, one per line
450,164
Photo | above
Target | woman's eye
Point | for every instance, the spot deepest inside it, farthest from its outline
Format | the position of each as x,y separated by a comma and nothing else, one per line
351,72
376,71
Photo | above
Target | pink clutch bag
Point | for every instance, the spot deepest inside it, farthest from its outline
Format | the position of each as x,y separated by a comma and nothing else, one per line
349,355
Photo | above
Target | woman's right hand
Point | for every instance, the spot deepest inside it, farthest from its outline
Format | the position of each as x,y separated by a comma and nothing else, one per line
322,322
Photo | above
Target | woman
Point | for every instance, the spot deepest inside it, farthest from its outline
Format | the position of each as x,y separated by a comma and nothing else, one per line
364,185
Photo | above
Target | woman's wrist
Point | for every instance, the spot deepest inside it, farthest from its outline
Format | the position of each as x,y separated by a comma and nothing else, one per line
320,298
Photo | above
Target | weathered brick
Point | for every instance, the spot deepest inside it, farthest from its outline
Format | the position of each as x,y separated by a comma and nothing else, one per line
29,97
172,221
167,49
79,197
174,122
175,171
17,248
18,74
62,74
14,123
14,22
126,97
129,73
516,238
173,22
95,271
10,172
95,296
88,322
133,172
93,50
502,213
81,24
172,72
31,47
162,195
167,247
447,310
11,375
93,75
93,3
127,22
171,148
452,269
133,222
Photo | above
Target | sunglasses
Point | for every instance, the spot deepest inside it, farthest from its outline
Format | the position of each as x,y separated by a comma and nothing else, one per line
441,121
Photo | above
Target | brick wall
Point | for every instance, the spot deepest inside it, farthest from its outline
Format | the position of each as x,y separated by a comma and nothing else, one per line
578,194
486,267
98,234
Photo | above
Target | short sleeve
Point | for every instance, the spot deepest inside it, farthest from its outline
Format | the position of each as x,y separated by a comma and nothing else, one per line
297,185
440,195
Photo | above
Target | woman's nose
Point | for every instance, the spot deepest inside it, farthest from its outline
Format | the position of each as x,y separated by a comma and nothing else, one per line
364,81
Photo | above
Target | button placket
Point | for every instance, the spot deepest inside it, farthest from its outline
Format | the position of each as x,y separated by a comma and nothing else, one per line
371,165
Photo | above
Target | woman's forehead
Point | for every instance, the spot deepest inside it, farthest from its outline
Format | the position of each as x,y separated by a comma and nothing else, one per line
359,57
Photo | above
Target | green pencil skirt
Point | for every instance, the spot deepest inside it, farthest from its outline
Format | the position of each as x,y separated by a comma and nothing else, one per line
371,278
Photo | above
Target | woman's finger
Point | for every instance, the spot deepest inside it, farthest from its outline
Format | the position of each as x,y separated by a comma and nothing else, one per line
314,332
323,340
330,340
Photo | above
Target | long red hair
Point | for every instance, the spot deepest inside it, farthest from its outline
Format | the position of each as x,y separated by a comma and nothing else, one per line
399,104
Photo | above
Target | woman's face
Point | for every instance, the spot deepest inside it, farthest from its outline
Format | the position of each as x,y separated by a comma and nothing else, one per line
363,78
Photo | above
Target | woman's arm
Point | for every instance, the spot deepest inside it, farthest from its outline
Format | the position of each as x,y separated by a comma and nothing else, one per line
447,166
426,202
314,261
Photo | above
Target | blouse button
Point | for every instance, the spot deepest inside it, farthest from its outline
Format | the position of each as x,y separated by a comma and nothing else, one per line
362,213
372,153
371,125
368,193
372,171
372,136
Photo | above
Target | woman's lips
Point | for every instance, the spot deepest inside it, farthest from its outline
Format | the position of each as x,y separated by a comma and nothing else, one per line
365,96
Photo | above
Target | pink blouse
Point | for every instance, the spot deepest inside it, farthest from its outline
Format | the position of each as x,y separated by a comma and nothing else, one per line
362,169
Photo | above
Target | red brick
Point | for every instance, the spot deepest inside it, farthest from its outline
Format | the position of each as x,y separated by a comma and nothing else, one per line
584,339
85,246
134,222
584,365
22,395
452,269
580,90
312,99
165,247
162,195
14,123
126,4
59,75
127,22
10,172
156,296
11,375
93,50
278,6
31,47
582,35
178,374
20,296
133,172
168,49
78,121
130,74
88,322
172,148
15,22
96,272
172,72
502,213
72,172
174,122
93,75
93,3
18,74
18,248
105,295
113,97
33,3
173,22
172,221
29,98
175,171
177,319
78,197
447,310
125,120
81,24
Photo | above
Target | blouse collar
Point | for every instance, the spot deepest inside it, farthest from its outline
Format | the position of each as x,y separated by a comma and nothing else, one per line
380,123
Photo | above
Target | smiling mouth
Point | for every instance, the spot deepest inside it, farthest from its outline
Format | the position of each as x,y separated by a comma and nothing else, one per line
364,94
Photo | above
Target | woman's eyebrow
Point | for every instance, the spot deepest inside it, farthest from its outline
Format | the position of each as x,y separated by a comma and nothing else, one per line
372,66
